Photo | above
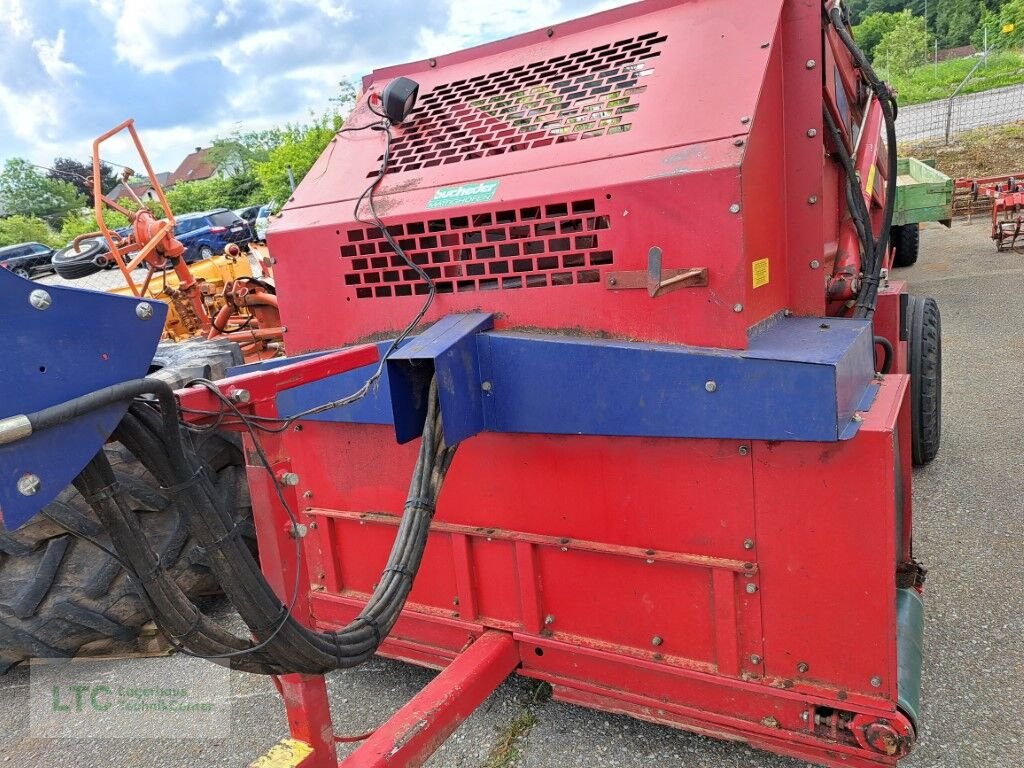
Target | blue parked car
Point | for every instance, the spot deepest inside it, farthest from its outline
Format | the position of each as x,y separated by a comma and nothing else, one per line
206,234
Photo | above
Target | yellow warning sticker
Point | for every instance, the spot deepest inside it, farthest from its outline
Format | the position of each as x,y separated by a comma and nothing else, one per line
760,271
871,180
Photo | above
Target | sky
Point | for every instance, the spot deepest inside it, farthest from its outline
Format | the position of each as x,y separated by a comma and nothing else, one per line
190,71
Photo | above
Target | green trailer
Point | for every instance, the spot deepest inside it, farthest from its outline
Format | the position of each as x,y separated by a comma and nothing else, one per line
922,194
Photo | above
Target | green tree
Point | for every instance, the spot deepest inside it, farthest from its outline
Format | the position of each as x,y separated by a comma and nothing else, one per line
79,174
903,47
25,191
301,147
872,29
1005,26
26,229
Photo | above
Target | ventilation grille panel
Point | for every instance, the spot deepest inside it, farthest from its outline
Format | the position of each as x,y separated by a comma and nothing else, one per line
581,95
533,247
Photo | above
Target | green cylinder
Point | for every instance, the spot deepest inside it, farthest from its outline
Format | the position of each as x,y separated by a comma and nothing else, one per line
909,652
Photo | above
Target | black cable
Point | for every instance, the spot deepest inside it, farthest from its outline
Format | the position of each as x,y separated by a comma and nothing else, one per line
887,357
868,295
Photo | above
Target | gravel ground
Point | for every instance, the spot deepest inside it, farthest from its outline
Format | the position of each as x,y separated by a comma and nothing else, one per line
970,529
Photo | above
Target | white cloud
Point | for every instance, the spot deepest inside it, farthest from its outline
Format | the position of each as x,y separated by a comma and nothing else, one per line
13,20
151,40
239,54
469,22
32,116
51,56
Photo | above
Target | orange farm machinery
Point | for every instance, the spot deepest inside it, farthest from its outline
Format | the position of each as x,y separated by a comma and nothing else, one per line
595,375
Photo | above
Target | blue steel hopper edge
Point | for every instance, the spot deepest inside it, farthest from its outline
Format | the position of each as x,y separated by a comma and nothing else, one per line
801,379
59,343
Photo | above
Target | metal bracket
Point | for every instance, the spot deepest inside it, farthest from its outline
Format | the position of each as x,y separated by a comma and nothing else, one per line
449,349
656,280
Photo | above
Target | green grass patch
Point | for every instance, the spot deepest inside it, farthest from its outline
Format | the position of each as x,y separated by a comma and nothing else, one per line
932,82
506,751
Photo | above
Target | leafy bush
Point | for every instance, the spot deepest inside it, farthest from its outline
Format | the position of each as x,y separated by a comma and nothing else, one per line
931,82
27,229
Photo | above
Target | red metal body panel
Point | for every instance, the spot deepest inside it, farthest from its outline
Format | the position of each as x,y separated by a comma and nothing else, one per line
690,154
684,581
734,625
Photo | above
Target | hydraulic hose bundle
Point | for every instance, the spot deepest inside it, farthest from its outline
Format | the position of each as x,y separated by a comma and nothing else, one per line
874,250
280,643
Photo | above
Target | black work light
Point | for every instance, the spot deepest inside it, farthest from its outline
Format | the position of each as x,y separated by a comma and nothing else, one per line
399,98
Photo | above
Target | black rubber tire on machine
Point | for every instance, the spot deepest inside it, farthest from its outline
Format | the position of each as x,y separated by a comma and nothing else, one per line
61,595
906,240
74,265
925,360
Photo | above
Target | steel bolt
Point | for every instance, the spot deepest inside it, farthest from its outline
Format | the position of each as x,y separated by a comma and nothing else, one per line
739,142
815,263
737,307
144,310
29,484
549,620
657,640
40,299
745,119
811,133
308,495
812,199
876,682
486,386
805,716
744,450
299,531
734,208
612,281
811,64
857,418
751,589
755,659
550,32
748,543
433,63
802,667
239,396
710,386
289,478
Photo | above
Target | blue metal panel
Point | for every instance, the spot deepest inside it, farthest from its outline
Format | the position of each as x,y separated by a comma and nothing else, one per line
374,408
798,381
449,349
82,342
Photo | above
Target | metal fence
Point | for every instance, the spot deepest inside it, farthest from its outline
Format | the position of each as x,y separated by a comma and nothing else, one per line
943,120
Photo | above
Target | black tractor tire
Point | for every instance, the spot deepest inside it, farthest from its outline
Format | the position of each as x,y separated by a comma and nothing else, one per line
74,265
925,353
63,592
906,240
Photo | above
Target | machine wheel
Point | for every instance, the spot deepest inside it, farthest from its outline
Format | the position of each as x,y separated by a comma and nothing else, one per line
925,354
61,595
72,265
906,239
22,272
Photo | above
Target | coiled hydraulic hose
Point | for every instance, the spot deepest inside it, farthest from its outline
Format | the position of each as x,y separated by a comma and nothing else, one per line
281,643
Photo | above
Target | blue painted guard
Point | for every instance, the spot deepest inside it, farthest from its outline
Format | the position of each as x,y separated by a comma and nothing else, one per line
83,341
800,379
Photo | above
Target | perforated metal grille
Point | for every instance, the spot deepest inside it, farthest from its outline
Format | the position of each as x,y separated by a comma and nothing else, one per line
579,95
532,247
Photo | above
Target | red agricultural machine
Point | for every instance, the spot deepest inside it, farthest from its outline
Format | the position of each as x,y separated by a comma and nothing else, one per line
1004,195
600,380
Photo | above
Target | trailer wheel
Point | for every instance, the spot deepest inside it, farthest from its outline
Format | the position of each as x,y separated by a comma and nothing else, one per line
74,265
906,239
925,354
64,594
